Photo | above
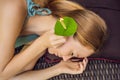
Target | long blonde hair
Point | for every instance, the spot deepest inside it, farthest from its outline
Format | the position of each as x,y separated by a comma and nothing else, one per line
91,30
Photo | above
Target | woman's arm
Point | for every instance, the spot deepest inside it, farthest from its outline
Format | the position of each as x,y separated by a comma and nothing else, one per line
11,21
38,74
62,67
33,62
21,60
12,16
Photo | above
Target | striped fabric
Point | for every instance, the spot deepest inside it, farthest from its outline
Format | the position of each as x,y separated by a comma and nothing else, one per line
97,69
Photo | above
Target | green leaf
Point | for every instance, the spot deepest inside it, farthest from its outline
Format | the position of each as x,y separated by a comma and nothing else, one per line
69,28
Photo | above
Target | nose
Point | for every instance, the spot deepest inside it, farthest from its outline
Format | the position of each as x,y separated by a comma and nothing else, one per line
65,58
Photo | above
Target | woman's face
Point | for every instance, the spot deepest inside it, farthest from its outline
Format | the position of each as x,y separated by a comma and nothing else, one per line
71,48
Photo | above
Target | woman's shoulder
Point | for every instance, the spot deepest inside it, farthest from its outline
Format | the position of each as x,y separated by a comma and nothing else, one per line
17,4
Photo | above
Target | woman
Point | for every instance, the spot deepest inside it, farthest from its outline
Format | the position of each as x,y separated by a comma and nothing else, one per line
26,17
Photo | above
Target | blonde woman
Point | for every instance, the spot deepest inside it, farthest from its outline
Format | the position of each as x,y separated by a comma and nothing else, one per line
38,17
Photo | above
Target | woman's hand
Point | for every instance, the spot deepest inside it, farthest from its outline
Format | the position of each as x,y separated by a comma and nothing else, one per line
52,40
70,67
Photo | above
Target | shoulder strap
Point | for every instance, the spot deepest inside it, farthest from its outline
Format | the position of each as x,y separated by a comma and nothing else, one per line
40,11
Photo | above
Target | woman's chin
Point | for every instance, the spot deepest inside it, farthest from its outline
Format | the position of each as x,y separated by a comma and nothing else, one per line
50,51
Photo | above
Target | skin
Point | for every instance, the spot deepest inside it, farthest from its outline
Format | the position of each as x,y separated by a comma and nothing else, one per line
71,48
10,28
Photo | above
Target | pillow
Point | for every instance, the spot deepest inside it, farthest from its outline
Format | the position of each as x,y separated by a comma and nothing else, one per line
109,10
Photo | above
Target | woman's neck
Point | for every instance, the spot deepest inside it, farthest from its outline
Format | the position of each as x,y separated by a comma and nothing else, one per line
38,25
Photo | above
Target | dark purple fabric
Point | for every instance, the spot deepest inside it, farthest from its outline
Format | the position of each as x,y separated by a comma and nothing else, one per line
109,10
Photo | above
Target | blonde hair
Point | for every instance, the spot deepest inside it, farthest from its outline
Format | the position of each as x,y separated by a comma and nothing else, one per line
91,30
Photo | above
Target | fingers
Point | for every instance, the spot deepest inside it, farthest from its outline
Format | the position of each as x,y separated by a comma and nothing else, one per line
86,62
52,40
58,42
82,65
74,67
55,37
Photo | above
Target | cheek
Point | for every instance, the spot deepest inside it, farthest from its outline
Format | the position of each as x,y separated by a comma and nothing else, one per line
62,50
84,53
65,49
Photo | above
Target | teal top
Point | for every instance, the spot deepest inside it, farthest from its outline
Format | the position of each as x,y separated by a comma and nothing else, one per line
21,40
40,11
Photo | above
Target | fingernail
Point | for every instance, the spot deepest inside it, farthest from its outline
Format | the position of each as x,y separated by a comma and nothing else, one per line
85,58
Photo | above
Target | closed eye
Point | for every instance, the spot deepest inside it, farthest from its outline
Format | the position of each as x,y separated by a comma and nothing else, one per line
72,54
